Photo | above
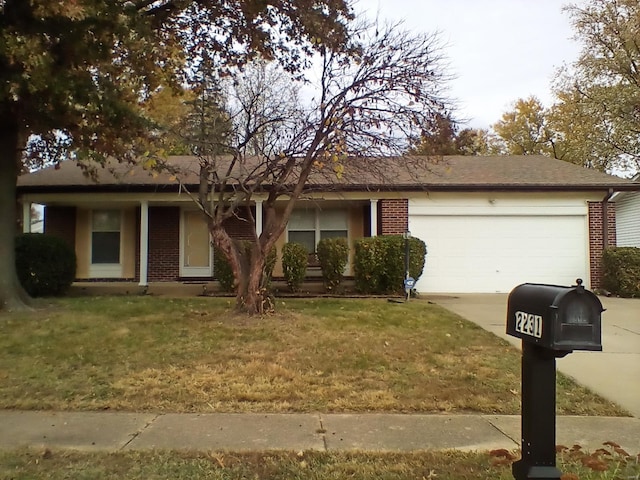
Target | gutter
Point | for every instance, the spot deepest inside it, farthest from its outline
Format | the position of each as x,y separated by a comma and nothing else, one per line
163,187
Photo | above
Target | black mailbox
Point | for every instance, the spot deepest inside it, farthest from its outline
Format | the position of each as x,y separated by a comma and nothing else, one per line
555,317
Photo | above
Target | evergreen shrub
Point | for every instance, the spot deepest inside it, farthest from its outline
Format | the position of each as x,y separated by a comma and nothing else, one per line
333,255
45,265
621,271
295,260
379,263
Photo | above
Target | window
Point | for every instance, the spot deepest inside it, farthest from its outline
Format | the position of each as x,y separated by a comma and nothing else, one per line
105,237
308,239
308,227
333,224
302,229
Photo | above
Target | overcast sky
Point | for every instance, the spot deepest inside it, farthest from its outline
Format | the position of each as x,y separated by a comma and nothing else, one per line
499,50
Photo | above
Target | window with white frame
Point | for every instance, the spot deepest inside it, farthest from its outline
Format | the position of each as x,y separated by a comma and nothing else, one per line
105,237
309,226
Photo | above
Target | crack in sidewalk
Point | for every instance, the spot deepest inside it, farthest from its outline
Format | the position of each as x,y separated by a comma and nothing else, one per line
323,432
505,434
137,434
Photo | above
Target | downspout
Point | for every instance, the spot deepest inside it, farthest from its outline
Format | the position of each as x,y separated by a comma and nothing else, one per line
605,219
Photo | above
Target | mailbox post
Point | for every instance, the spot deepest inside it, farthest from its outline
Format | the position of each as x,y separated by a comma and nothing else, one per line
552,321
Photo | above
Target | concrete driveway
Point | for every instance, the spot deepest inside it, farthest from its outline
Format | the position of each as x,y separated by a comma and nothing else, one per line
613,373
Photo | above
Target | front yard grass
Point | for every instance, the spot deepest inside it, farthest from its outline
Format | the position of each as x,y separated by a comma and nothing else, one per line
446,465
197,355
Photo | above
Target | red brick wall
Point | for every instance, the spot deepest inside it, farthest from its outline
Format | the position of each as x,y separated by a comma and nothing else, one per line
394,216
239,228
164,244
61,222
164,241
596,238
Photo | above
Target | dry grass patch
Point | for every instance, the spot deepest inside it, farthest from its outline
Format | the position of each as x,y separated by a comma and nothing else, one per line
196,355
447,465
259,466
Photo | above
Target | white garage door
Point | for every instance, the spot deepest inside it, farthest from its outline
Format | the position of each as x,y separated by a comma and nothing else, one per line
496,253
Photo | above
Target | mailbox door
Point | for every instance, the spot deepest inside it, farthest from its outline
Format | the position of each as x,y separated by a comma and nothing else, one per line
555,317
578,321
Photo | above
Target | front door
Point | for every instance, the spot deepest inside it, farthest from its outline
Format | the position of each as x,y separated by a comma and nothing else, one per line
195,250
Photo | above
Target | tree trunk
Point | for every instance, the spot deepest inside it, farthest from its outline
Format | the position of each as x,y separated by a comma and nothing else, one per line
255,299
12,295
247,265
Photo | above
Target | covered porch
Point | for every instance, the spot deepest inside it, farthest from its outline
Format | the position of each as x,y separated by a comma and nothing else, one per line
149,239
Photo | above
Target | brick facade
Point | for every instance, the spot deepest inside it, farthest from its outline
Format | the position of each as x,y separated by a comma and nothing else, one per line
164,241
61,222
239,228
597,238
164,234
393,216
164,244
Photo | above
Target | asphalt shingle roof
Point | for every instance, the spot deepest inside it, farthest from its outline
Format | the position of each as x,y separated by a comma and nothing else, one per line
531,172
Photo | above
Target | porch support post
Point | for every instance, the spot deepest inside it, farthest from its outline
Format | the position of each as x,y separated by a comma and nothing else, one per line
26,216
374,217
144,242
258,218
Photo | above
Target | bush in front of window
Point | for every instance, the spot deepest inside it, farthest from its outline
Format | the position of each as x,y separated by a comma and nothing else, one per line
379,263
368,261
621,271
224,274
295,259
46,265
333,255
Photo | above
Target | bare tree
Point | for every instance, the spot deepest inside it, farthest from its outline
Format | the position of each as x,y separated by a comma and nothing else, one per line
73,75
369,102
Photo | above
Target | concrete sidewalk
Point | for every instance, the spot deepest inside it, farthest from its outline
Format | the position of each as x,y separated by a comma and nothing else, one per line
108,431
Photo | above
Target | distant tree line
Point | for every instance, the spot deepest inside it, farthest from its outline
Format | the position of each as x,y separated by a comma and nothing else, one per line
594,120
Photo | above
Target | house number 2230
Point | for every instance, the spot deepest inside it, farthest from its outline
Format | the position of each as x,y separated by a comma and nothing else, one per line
529,324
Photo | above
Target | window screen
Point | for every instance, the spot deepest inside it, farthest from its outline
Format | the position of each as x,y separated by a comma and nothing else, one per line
333,224
333,220
308,239
105,237
308,227
333,234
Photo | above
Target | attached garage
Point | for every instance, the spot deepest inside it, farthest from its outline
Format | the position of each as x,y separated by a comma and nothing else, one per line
479,243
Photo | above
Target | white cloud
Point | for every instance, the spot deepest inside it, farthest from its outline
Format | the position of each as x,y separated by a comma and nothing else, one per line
499,50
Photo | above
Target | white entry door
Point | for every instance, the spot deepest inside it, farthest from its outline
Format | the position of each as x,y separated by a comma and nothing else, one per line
196,253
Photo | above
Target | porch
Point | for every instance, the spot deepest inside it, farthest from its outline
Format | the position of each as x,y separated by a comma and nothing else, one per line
164,239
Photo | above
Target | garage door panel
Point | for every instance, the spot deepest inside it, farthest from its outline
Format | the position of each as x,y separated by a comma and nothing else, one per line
494,254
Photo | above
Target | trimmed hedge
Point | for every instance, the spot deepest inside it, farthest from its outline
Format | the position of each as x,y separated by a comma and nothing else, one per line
295,260
333,255
621,271
46,265
224,274
379,263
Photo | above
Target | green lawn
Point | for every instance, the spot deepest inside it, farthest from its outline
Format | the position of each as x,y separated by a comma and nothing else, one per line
197,355
28,464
